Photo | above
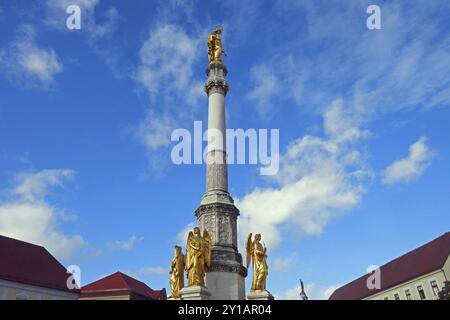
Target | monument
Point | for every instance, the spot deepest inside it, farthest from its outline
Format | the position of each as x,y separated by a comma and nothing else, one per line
212,261
225,277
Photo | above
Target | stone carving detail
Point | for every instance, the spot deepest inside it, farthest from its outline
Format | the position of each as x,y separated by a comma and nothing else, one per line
217,208
216,82
220,220
228,268
216,85
209,223
225,230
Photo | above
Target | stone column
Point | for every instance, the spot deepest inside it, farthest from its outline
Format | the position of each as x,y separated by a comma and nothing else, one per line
225,278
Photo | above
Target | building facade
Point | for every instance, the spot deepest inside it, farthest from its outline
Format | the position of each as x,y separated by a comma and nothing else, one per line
30,272
417,275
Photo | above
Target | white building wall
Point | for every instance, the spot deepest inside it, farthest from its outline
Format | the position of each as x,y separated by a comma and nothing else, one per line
10,290
425,281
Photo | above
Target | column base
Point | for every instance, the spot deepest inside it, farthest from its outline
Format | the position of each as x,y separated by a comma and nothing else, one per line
226,285
260,295
195,293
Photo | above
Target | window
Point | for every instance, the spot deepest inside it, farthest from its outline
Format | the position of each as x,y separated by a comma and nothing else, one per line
408,294
435,288
21,296
386,298
421,292
396,296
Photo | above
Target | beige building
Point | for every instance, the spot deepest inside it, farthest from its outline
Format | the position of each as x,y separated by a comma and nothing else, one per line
417,275
30,272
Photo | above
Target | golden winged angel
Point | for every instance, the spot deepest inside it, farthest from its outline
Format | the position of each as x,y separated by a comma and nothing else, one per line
258,254
198,256
177,273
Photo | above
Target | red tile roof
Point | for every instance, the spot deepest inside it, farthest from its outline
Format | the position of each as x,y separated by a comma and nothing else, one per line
425,259
31,264
121,282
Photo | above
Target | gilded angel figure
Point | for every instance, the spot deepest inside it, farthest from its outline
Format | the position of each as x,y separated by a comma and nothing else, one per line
198,256
215,49
177,273
258,254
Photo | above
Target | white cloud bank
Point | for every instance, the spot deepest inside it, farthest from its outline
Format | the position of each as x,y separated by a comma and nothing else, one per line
412,166
319,178
166,74
24,61
27,216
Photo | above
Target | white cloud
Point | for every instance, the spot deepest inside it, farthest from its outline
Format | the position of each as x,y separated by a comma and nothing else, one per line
378,72
182,236
319,179
274,83
125,245
266,87
152,271
166,73
410,167
34,187
24,158
23,60
28,216
155,130
312,290
166,60
281,264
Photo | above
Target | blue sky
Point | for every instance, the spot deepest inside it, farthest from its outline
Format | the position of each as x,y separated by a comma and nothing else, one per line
86,117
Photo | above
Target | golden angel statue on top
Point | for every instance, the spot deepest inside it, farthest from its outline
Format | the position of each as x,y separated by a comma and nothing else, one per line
258,254
215,49
198,256
177,273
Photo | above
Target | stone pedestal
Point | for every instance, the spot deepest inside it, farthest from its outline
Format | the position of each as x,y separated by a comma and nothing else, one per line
260,295
195,293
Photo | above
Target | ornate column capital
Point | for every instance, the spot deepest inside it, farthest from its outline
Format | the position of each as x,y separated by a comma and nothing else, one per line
216,82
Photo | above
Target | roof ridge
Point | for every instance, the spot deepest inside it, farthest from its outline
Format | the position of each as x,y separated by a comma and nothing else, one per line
23,241
127,277
413,251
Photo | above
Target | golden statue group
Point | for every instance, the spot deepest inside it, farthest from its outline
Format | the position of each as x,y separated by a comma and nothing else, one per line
198,257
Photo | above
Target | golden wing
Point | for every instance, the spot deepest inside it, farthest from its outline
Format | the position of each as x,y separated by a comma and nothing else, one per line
187,257
249,249
181,261
207,249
